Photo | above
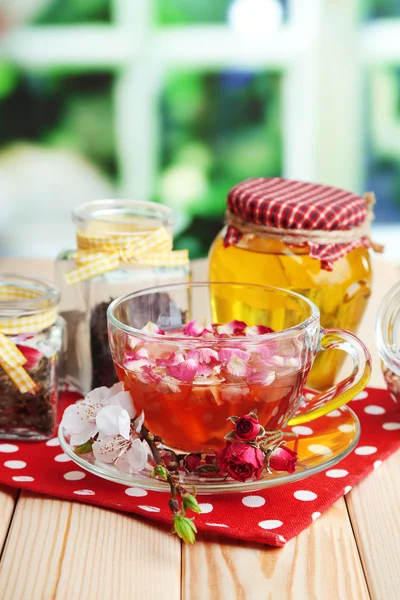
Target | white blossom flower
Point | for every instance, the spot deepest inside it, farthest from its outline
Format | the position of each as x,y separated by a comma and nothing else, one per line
118,441
79,420
113,420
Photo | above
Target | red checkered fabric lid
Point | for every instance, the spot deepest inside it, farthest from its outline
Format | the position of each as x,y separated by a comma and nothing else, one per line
330,221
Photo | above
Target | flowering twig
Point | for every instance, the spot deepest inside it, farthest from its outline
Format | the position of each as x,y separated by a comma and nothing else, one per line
107,425
184,527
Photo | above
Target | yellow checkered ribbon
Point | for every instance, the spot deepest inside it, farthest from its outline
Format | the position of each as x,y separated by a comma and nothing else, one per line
100,253
11,359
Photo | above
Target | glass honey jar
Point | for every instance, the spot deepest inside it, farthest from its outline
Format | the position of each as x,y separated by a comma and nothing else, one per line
312,239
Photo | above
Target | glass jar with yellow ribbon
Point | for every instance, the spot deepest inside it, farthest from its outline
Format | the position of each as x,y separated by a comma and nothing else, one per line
122,246
31,346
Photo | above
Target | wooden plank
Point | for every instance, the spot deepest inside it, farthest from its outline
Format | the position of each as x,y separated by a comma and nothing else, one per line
34,548
59,549
374,507
321,563
374,504
8,498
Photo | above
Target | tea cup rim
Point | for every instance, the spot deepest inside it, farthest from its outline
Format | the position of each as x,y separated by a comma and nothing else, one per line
263,338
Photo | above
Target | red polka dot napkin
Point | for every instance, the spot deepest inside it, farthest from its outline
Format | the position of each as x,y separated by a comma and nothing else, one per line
271,516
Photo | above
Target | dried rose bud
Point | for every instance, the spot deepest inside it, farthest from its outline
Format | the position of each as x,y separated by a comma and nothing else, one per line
170,460
247,428
191,462
283,459
241,461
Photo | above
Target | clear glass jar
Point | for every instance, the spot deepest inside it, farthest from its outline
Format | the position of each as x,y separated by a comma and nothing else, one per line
84,305
388,339
31,415
341,294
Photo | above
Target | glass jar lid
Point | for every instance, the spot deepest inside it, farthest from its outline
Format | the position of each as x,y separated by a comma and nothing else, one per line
329,220
122,217
289,204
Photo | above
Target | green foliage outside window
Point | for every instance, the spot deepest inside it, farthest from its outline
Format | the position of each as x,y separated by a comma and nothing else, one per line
63,12
177,12
377,9
216,128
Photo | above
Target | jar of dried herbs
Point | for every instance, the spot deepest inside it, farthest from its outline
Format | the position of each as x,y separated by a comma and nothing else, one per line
122,246
31,345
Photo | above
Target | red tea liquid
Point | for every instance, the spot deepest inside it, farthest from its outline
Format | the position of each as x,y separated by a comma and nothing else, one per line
194,419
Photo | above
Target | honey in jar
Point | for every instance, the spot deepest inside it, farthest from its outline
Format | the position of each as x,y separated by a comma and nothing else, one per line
312,239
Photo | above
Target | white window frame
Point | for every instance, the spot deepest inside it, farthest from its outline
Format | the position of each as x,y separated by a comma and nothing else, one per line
322,42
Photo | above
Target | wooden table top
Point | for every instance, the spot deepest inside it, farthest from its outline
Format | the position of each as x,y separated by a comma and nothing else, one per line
60,549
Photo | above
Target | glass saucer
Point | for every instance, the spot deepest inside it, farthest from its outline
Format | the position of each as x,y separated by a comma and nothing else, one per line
320,444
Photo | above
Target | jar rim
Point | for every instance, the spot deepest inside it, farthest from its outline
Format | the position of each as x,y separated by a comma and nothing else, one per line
48,294
103,210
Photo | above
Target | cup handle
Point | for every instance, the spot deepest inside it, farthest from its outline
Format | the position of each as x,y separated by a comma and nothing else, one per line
341,393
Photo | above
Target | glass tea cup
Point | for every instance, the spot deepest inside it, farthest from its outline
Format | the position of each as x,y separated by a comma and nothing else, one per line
388,340
189,386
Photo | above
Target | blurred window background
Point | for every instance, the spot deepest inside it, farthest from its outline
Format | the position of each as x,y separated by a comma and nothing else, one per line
178,100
